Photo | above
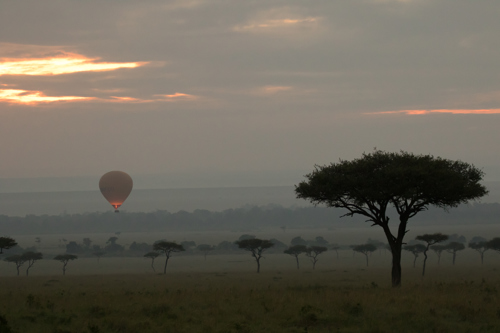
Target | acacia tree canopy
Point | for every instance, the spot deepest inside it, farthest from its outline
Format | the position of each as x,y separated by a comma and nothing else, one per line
168,248
256,247
6,243
410,183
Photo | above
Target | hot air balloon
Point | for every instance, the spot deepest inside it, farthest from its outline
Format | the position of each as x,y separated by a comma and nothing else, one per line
115,186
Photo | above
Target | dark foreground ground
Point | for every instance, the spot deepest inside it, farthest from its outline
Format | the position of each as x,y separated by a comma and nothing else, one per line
351,300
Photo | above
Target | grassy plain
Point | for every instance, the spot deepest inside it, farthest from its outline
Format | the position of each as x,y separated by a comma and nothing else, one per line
453,299
224,294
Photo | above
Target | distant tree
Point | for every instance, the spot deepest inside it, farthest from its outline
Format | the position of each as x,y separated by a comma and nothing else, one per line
65,258
453,248
430,239
205,248
6,243
283,227
140,247
73,247
416,249
98,254
87,242
319,241
31,257
256,247
313,252
366,249
478,239
168,248
336,248
298,241
494,244
112,246
188,245
152,256
112,240
18,259
480,247
438,249
378,244
295,251
457,238
226,246
370,185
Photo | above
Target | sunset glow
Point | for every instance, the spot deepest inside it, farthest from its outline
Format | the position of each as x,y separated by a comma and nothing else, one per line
18,96
270,90
70,63
178,97
424,112
277,23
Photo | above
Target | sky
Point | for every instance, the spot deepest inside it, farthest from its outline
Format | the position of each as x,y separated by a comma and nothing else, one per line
196,93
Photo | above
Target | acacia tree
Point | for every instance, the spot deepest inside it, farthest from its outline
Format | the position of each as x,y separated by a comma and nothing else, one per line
6,243
65,258
168,248
98,254
410,183
430,239
416,249
336,248
313,252
453,248
366,249
205,248
494,244
256,247
480,247
438,249
17,259
31,257
295,251
152,256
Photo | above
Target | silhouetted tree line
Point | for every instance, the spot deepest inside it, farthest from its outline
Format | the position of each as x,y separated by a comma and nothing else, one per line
240,219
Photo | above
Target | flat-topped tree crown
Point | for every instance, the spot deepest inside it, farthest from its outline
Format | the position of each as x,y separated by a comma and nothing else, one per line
410,183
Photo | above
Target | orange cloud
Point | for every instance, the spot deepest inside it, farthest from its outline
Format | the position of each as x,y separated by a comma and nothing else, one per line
422,112
271,90
68,63
18,96
271,24
177,97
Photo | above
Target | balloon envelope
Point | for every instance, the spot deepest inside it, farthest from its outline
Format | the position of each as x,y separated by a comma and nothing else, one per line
115,186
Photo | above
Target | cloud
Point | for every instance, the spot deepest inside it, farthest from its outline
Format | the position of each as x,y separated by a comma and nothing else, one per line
177,97
278,24
425,112
272,90
68,63
18,96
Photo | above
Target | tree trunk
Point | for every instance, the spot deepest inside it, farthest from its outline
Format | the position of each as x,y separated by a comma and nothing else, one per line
414,261
396,265
64,269
297,258
366,255
454,255
425,260
258,265
396,245
165,268
482,257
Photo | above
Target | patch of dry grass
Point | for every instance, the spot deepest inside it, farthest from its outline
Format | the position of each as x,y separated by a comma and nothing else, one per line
288,301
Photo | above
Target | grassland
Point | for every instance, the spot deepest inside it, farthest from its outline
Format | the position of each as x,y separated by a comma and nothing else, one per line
352,300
